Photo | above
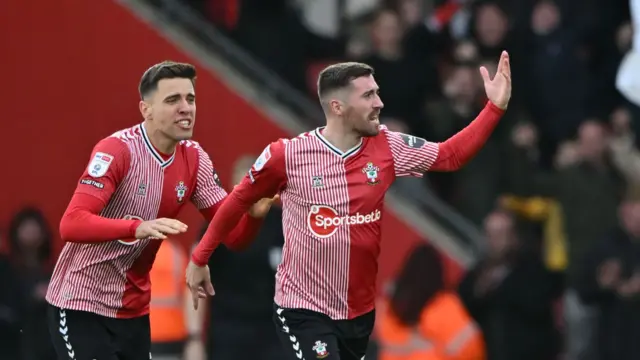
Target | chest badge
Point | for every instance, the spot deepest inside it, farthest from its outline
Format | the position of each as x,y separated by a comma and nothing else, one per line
372,173
181,191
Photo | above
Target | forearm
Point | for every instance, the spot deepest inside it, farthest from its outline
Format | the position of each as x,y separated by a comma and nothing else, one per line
243,234
458,150
81,222
226,217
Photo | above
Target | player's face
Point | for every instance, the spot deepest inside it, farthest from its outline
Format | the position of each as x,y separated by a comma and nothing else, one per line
173,108
364,105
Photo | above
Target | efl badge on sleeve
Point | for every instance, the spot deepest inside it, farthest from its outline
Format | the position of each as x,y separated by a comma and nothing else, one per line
262,159
99,164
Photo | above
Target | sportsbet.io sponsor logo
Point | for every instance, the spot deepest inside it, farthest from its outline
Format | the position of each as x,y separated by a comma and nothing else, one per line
324,221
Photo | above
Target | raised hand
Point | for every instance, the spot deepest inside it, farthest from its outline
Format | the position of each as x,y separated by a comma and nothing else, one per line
498,89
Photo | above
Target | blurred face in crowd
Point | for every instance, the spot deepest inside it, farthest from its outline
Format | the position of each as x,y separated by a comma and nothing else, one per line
499,231
490,25
171,109
545,18
411,11
592,140
462,85
566,155
363,106
630,217
30,234
387,32
466,51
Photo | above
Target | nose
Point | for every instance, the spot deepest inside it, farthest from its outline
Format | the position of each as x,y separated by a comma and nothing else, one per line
377,103
184,107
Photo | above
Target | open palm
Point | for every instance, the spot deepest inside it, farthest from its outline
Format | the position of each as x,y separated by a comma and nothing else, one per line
498,89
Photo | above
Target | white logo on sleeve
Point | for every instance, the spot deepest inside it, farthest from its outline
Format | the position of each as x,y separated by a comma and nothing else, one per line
99,164
262,159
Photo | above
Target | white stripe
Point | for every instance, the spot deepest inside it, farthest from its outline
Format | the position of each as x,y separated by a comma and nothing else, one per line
63,329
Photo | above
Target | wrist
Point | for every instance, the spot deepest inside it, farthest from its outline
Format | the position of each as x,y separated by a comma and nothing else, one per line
134,226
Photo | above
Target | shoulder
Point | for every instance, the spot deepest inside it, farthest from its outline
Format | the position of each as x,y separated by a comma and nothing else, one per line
397,138
114,146
443,305
192,148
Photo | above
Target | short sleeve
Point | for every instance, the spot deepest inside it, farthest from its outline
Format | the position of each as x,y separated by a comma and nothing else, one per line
108,165
208,191
267,176
412,156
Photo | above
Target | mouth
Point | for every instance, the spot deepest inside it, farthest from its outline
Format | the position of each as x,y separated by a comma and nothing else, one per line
375,117
185,124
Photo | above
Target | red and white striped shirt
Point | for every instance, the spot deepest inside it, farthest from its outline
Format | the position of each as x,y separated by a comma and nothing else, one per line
133,181
333,206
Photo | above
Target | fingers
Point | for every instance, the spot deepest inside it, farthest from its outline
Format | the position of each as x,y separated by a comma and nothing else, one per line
156,234
202,294
172,223
485,74
506,68
195,296
165,229
209,288
501,63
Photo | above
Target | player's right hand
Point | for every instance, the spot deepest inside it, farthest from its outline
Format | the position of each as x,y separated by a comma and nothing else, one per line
159,228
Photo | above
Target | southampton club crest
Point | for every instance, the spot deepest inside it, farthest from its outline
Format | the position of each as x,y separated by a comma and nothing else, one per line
181,191
372,173
321,349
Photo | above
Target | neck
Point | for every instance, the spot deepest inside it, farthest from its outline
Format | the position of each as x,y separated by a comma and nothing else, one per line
159,140
335,134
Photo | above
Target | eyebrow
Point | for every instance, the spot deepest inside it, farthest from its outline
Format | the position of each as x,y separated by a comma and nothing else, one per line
173,96
368,92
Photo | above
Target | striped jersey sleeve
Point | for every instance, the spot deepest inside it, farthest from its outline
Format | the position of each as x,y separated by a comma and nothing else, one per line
412,156
208,191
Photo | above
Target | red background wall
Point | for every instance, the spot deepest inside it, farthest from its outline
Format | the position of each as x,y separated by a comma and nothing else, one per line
70,70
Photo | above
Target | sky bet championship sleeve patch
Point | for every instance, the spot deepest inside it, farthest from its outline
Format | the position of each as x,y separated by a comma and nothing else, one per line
93,183
262,159
413,141
99,164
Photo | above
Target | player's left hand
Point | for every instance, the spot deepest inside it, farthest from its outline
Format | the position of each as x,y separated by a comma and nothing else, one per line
498,89
199,282
261,208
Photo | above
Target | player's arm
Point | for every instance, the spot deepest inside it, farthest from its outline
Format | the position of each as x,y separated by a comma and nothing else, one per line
209,197
265,178
414,156
81,221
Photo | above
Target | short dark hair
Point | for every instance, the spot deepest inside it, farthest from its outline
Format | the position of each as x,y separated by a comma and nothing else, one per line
164,70
339,76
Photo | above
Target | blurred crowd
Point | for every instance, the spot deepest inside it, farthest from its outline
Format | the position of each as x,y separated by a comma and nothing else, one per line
556,190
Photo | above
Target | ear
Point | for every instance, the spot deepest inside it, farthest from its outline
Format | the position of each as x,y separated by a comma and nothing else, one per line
145,109
337,107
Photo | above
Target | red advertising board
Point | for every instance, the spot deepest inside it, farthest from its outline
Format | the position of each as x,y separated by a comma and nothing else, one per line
70,74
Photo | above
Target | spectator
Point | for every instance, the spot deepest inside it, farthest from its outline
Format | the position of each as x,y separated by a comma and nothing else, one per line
423,320
610,277
404,80
11,311
510,294
30,239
